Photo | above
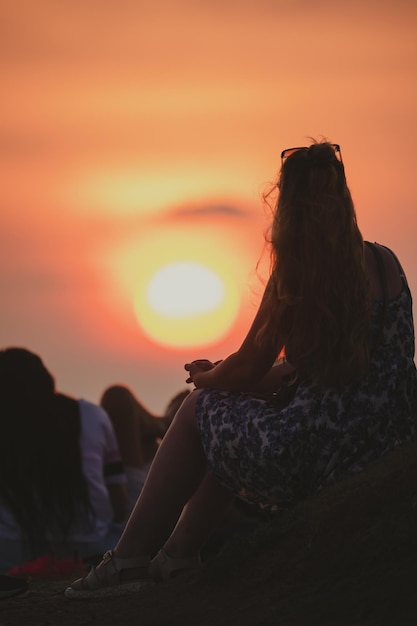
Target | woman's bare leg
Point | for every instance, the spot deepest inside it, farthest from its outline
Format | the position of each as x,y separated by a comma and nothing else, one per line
177,477
179,506
201,515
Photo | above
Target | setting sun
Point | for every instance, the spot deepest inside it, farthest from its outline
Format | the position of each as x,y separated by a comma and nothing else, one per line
185,290
183,277
135,154
186,303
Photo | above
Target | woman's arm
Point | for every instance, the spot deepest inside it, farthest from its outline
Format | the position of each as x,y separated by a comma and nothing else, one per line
279,375
243,370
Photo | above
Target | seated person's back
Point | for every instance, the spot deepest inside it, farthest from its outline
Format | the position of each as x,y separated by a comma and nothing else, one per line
61,478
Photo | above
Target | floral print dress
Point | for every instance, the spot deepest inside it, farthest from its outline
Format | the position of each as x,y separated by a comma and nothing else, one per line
275,456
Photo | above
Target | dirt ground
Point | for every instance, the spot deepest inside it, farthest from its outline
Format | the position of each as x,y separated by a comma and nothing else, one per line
346,557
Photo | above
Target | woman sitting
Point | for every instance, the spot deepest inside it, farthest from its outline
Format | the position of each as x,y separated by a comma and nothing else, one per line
341,310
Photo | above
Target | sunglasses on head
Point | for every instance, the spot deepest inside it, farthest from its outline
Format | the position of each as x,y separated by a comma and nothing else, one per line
289,151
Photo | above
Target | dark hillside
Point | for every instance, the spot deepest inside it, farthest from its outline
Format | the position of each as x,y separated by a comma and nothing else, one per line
347,556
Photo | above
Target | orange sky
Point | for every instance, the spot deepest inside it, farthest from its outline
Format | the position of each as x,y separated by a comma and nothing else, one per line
130,128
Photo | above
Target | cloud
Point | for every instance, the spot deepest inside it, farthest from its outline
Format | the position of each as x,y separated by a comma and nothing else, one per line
211,209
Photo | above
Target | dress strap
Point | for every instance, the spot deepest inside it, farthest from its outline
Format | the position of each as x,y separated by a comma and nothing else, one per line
383,281
381,268
400,268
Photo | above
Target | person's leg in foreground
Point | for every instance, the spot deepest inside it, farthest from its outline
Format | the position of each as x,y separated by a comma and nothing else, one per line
178,508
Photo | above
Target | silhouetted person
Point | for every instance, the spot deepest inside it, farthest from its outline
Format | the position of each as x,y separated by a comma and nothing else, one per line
340,308
62,484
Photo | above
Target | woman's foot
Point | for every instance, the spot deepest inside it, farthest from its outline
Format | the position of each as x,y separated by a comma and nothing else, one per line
113,576
164,567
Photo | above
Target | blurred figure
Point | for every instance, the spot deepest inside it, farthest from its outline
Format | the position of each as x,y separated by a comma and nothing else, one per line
62,484
138,433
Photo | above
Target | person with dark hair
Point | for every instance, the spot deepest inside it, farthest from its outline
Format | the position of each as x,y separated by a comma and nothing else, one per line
138,433
338,313
62,484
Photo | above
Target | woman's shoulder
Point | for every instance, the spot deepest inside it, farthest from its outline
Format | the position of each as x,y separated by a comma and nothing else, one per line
384,271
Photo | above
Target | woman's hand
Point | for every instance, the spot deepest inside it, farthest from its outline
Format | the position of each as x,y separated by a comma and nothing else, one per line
198,366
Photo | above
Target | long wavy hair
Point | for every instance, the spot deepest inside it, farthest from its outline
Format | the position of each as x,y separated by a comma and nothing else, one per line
41,477
137,430
319,295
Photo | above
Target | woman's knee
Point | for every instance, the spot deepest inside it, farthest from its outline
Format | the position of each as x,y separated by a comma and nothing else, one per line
187,413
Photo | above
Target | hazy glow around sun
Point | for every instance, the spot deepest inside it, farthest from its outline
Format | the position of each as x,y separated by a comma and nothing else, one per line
185,289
